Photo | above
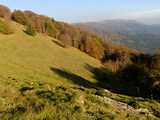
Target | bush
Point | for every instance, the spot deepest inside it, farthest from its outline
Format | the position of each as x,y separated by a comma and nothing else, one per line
51,29
20,17
5,28
134,75
4,12
30,30
91,44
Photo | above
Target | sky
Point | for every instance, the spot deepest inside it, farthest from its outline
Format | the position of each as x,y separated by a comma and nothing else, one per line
87,10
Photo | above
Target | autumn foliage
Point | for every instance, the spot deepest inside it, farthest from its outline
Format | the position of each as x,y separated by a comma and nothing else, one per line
5,12
68,34
20,17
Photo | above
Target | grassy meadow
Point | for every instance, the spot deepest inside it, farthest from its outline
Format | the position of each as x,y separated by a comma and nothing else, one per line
40,79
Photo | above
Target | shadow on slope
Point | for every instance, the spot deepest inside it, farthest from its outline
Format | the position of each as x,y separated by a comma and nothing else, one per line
107,80
132,80
73,77
59,43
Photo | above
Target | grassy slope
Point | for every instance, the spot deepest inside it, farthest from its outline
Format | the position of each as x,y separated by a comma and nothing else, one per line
28,87
33,56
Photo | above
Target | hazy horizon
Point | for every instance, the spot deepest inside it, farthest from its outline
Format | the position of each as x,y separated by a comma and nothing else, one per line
90,10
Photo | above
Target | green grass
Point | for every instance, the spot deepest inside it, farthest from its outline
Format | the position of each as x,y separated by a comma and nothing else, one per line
31,90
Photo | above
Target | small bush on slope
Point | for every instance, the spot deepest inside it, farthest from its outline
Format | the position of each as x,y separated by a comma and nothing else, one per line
51,29
30,30
5,28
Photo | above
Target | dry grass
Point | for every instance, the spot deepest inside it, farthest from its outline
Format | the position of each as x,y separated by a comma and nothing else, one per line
5,27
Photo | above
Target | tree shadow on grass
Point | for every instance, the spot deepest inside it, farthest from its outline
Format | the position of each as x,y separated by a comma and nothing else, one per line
73,77
115,83
59,43
104,79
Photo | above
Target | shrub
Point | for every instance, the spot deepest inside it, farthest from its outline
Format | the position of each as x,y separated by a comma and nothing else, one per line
51,29
134,75
5,28
4,12
20,17
91,44
30,30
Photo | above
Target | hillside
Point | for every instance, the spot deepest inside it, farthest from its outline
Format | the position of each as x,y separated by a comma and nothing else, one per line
42,79
27,61
131,33
69,35
51,70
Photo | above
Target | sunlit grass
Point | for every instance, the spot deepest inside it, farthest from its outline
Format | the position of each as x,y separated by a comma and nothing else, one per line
30,90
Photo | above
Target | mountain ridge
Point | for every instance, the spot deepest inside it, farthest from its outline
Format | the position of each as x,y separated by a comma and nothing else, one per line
137,35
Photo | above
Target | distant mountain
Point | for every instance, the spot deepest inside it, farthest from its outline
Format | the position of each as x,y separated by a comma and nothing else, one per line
132,33
149,20
147,17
